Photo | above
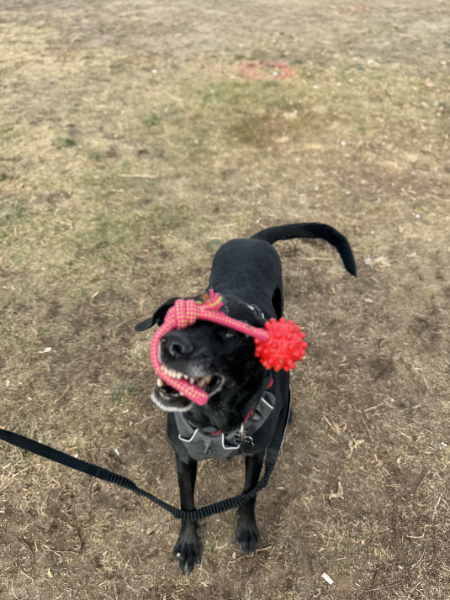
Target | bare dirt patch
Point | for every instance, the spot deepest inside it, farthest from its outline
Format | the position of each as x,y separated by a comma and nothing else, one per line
132,144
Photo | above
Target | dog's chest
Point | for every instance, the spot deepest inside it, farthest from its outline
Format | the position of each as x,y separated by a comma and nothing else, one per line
203,445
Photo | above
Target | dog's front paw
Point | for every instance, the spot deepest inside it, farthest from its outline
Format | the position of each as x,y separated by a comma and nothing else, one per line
188,549
247,534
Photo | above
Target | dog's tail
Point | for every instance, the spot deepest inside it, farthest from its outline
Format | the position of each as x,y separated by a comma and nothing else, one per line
311,230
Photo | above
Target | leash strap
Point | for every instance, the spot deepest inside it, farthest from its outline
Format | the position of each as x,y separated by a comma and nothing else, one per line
186,515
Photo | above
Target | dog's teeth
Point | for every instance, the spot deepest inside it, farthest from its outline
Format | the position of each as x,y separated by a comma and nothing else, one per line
185,376
159,382
204,381
191,380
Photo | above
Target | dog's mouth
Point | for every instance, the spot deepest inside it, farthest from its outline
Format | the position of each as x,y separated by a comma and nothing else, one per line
211,383
170,399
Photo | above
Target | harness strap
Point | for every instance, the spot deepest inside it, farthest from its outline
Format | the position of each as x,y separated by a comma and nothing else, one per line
186,515
202,444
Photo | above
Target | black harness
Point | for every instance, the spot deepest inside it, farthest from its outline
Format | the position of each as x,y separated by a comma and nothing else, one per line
205,443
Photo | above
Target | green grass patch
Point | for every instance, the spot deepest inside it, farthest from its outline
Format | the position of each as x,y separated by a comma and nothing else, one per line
65,143
95,155
14,212
152,120
124,389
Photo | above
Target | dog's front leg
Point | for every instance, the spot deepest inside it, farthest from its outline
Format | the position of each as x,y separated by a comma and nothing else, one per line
188,549
247,534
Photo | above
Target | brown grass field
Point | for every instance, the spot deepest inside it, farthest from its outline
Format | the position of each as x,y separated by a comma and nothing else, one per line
135,138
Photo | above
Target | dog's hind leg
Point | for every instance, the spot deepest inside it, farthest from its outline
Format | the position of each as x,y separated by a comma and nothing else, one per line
188,549
247,534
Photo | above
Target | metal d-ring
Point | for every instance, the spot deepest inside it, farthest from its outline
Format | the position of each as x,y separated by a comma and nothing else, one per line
243,438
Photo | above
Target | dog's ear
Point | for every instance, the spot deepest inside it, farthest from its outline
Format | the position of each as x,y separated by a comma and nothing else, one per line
157,317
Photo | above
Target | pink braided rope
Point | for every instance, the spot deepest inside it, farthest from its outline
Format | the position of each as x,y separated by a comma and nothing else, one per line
185,313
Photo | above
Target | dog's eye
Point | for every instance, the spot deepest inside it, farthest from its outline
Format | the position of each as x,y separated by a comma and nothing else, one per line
229,335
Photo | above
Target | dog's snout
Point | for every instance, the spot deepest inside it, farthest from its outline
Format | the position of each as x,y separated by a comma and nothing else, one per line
176,344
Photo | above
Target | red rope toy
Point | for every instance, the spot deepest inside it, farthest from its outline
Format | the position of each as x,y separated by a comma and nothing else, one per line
279,345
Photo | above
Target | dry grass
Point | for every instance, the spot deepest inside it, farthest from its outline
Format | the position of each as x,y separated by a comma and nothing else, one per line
122,170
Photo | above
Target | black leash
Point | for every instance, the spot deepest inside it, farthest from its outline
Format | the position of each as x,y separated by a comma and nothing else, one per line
186,515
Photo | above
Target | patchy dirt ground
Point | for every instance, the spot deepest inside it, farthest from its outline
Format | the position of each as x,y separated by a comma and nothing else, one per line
135,138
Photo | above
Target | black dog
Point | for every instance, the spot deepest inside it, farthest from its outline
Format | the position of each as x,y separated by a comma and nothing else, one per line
247,273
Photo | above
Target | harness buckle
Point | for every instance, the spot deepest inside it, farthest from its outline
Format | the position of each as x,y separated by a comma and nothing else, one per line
242,438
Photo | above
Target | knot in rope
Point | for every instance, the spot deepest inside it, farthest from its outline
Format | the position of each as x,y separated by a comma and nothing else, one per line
184,313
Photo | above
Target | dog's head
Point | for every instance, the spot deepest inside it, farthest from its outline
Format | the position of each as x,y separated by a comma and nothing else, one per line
217,359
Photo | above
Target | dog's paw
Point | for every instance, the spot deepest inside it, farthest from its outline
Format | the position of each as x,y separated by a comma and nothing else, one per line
247,534
188,549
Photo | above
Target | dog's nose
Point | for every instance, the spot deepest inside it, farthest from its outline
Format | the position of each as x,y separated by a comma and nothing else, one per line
176,344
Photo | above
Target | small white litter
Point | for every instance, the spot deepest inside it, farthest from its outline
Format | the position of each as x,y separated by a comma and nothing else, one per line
44,350
327,578
117,452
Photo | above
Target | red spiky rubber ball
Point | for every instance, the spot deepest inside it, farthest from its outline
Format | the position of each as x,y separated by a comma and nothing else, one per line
284,347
